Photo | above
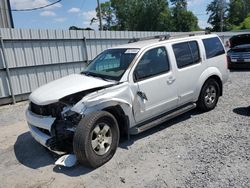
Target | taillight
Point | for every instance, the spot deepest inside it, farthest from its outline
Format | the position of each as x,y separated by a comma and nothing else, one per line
228,60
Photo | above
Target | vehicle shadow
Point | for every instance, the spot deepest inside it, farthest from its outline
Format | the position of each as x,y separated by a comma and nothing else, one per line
243,111
158,128
31,154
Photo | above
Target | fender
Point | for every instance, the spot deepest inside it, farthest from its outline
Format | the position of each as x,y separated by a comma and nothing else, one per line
210,71
121,95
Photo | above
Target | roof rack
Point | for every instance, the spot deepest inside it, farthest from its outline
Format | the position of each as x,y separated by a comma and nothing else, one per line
160,37
163,37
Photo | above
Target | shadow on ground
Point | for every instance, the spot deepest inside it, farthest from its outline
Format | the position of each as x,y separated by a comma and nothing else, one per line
31,154
160,127
243,111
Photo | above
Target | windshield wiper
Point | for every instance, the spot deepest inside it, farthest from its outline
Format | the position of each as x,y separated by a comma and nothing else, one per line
87,73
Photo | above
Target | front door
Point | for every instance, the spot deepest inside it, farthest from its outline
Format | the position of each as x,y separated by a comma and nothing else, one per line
157,91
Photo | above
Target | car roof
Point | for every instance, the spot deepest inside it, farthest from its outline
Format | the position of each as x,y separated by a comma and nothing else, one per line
143,44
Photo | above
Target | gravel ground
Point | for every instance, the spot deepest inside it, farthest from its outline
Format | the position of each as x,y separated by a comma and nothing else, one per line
194,150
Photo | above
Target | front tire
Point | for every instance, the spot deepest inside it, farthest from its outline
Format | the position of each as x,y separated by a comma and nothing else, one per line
209,95
96,139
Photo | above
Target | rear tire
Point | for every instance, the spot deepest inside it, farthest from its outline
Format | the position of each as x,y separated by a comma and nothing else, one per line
96,139
209,95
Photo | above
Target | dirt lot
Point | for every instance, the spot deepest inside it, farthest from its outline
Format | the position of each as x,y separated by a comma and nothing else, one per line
194,150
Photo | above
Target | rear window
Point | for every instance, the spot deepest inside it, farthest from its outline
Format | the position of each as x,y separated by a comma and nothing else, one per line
186,53
213,47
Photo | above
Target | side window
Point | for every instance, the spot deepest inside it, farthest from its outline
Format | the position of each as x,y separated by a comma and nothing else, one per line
213,47
195,51
186,53
152,63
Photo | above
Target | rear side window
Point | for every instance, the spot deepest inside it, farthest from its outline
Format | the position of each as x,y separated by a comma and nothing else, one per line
186,53
213,47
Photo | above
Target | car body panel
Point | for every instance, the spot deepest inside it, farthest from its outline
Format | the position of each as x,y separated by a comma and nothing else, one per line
55,90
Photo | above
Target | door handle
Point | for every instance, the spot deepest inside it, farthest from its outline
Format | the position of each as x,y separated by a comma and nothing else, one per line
170,80
142,95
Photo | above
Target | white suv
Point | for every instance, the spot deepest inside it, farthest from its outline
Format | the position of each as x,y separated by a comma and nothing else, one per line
126,90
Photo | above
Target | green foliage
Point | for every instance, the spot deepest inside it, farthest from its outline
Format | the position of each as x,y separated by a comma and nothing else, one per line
148,15
217,11
238,11
234,14
183,20
107,15
143,15
244,25
179,4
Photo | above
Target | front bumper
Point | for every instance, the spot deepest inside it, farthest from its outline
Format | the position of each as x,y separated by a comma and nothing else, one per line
38,123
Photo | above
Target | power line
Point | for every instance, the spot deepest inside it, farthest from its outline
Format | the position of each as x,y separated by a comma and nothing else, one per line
37,8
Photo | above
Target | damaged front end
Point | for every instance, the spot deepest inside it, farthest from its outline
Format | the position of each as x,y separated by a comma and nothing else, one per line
53,125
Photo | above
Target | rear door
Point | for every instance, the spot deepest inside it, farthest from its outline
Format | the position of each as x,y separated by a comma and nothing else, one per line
189,68
216,55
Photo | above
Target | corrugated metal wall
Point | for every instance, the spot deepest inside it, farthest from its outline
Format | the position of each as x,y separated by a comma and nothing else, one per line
35,56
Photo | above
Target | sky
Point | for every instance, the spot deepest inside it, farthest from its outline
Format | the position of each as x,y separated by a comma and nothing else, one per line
76,12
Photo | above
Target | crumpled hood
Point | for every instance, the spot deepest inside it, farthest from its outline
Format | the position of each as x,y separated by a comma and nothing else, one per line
57,89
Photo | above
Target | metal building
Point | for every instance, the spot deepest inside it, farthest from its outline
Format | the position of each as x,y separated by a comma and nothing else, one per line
6,20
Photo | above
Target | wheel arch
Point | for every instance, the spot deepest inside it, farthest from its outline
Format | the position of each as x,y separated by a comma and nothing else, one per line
210,73
120,109
122,119
218,80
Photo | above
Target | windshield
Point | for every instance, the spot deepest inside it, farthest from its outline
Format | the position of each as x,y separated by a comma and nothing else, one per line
111,64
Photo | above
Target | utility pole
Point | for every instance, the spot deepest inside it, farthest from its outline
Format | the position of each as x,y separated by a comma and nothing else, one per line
222,8
100,15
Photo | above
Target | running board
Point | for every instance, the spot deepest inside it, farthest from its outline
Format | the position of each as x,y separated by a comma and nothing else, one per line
140,128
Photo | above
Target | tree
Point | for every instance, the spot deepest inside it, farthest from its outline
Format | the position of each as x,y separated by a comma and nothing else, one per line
179,4
238,11
233,15
183,19
108,15
244,25
78,28
142,15
148,15
217,18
